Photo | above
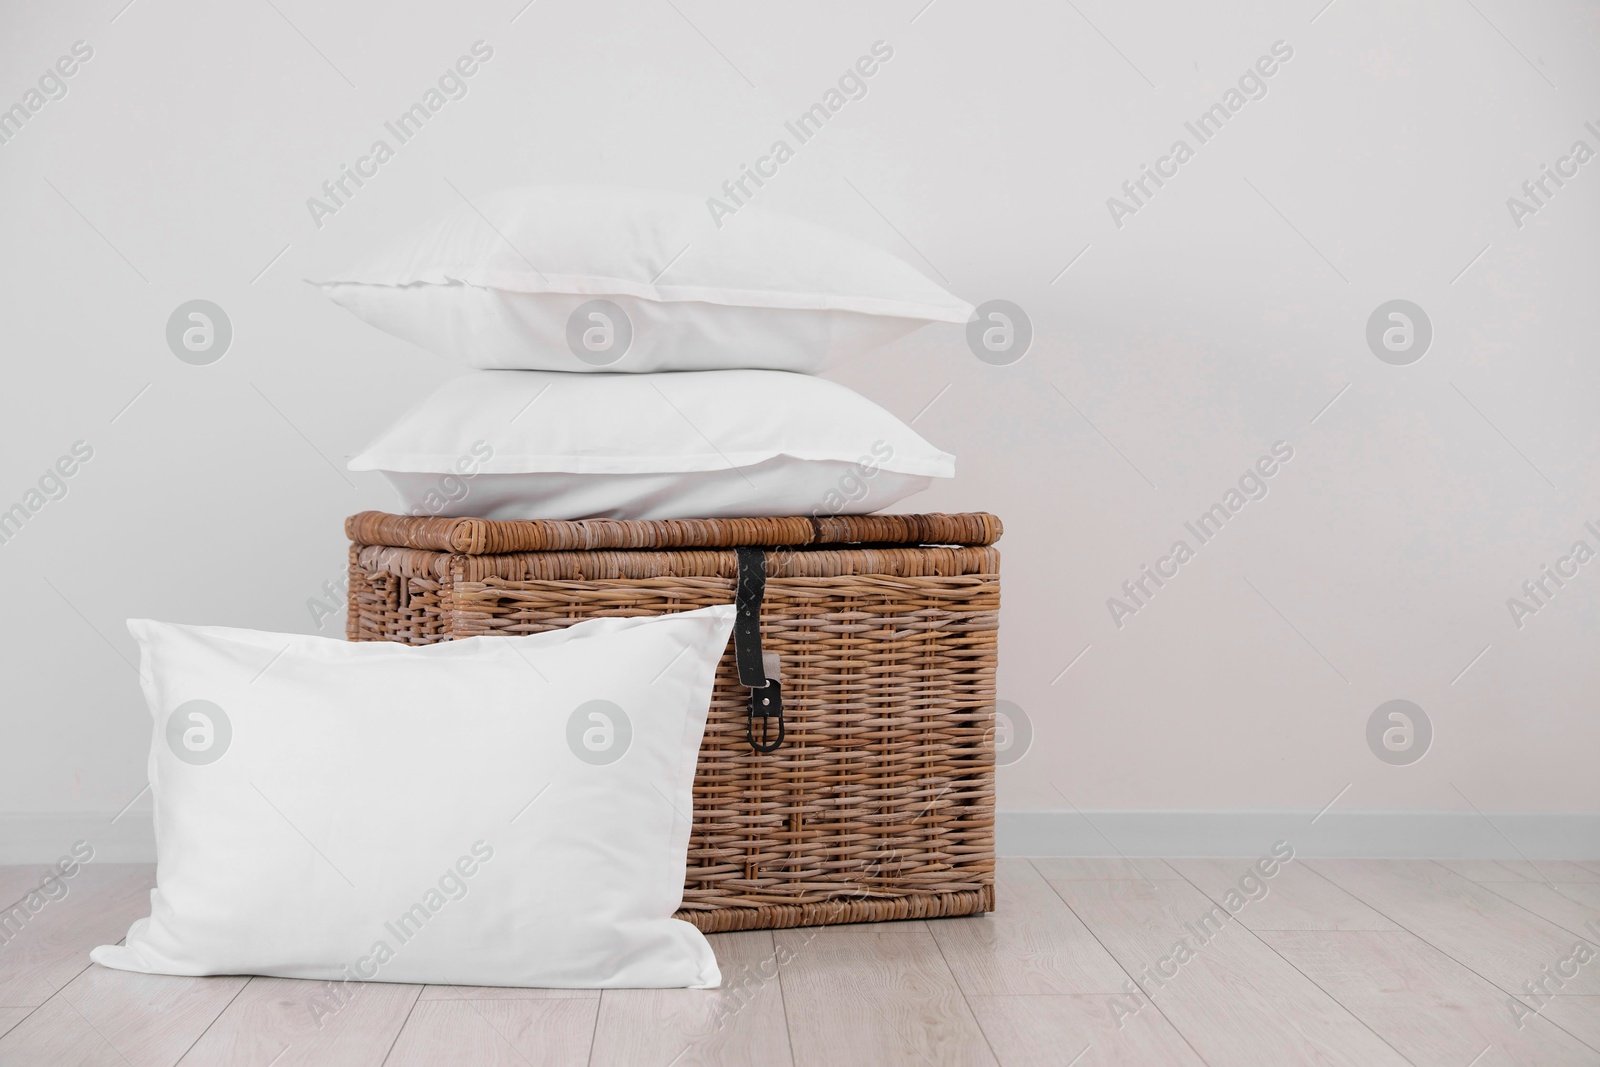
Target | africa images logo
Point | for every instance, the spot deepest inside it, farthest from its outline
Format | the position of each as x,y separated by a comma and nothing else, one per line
851,85
1252,85
199,732
451,85
599,732
1252,485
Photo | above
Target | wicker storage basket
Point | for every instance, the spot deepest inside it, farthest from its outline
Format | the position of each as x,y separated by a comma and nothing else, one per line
879,804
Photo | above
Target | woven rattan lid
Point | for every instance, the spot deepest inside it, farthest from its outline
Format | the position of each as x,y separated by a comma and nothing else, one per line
482,537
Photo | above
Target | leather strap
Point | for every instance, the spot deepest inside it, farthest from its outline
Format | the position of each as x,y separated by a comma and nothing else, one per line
747,620
766,695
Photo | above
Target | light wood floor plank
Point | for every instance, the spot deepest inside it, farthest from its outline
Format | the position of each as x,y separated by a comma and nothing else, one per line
1560,903
1483,870
1048,1031
502,992
1021,986
1096,869
1476,927
1585,893
1296,898
18,882
1425,1004
1235,1000
1032,944
55,1034
1555,871
53,947
740,1024
274,1017
147,1019
10,1017
878,995
1523,870
1578,1016
496,1033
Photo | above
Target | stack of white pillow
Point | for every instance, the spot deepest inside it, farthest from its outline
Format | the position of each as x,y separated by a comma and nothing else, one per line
635,361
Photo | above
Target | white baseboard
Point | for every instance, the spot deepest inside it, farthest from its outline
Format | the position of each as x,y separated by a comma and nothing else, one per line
1358,834
44,838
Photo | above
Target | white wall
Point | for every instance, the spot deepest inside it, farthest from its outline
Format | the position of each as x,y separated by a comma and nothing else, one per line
1219,319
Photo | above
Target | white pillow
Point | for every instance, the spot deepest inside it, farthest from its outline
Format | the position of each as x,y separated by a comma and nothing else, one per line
498,283
490,811
542,445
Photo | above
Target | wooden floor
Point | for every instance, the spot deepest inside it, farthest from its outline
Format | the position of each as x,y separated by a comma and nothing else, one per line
1360,962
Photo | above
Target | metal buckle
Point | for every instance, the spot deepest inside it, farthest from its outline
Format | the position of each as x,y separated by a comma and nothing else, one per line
766,704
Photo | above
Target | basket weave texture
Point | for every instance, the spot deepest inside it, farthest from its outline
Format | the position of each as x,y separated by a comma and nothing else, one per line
880,803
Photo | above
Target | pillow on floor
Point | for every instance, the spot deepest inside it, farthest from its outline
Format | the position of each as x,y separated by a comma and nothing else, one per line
586,278
704,444
490,811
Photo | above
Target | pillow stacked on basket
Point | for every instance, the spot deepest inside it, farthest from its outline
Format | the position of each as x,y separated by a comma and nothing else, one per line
637,362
